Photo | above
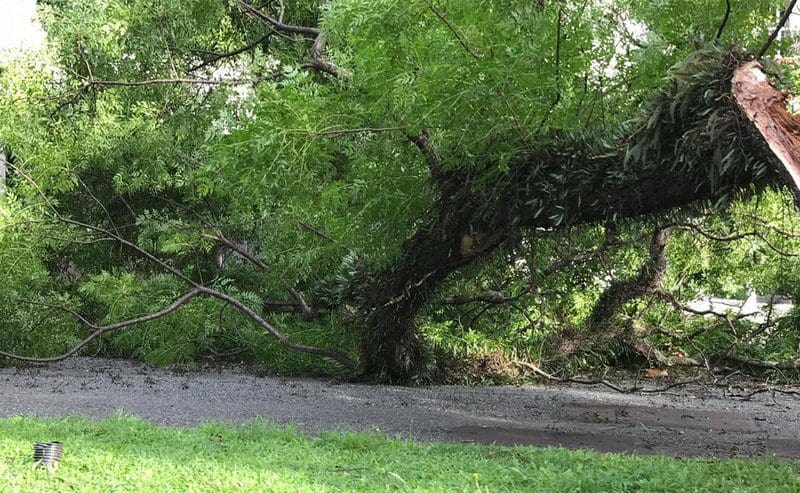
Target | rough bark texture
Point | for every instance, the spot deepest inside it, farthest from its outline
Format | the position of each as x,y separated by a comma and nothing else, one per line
694,142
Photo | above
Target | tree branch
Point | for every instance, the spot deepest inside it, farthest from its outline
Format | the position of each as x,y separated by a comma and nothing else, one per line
317,60
196,290
724,19
356,131
455,32
310,32
781,23
182,80
733,237
219,56
99,330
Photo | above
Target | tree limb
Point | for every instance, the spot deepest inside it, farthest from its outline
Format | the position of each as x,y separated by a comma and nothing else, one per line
781,23
197,289
317,60
99,330
214,57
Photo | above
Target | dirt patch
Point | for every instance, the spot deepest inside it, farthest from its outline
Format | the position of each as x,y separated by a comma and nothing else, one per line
662,417
688,421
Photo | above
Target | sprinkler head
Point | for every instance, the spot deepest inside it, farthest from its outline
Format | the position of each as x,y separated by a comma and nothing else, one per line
47,454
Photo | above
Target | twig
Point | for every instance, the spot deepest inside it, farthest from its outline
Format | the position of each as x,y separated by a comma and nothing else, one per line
455,32
602,381
557,98
308,313
351,131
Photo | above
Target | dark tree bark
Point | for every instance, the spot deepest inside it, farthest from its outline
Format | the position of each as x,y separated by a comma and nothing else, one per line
696,141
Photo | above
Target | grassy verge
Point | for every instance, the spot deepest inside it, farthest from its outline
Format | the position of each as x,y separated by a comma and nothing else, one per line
126,454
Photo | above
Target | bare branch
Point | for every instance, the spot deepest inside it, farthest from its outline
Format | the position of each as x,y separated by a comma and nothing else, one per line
214,57
99,330
781,23
724,19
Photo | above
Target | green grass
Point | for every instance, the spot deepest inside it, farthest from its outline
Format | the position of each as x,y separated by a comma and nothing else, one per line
126,454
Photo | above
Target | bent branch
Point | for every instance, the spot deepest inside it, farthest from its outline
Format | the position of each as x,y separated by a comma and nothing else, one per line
99,330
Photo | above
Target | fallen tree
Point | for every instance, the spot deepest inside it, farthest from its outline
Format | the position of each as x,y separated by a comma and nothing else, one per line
719,129
227,160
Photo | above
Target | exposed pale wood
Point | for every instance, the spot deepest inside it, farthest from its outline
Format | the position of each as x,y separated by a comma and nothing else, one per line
765,107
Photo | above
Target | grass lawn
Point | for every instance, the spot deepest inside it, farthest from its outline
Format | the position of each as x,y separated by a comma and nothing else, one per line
126,454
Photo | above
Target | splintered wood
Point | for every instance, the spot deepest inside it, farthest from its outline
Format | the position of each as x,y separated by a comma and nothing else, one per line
765,107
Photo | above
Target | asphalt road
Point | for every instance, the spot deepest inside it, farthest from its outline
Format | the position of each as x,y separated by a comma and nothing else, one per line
688,421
